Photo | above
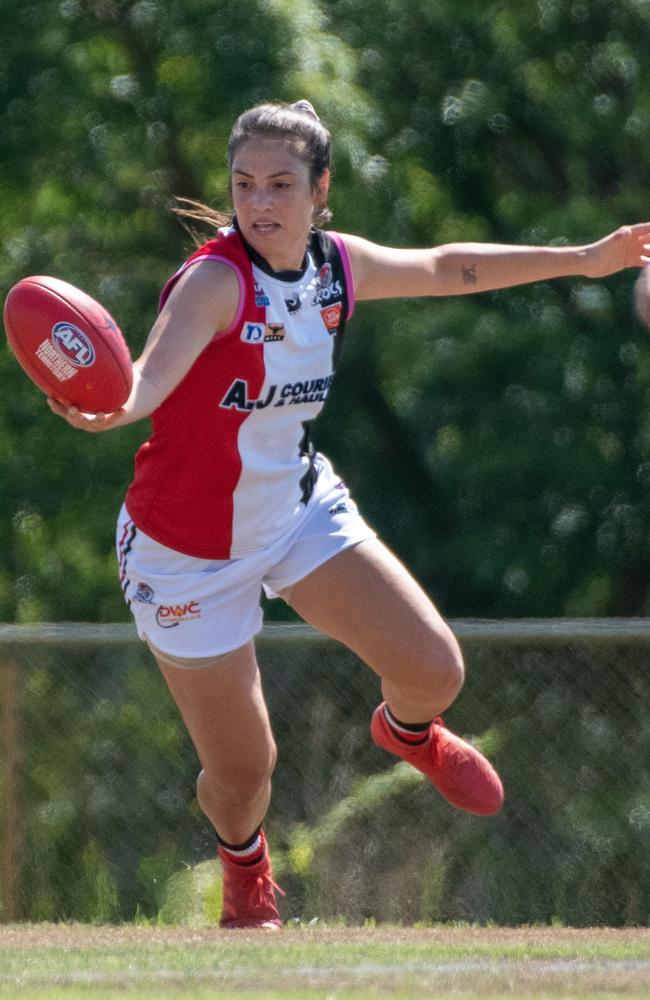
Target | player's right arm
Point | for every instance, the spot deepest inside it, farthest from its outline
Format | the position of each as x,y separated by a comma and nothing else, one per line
202,303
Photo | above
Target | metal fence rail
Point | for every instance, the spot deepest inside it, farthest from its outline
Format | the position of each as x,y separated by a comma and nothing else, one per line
97,806
543,629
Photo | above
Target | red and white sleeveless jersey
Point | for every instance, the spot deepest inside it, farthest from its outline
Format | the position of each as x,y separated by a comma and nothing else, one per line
229,467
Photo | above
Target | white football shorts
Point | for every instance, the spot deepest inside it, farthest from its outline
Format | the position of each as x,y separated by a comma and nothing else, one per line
188,607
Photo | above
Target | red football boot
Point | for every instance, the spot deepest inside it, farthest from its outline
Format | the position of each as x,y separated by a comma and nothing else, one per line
249,895
461,774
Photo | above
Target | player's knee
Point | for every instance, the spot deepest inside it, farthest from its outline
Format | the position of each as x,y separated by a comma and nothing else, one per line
431,669
453,669
237,785
445,667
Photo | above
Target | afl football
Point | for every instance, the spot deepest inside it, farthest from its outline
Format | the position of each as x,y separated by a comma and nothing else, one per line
68,344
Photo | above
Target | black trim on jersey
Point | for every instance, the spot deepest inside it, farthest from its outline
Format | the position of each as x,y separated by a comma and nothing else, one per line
306,448
325,251
338,344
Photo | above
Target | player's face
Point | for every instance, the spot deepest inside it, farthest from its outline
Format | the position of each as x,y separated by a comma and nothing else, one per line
273,200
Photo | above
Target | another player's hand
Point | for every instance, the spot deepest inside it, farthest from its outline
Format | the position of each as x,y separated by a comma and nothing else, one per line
628,246
91,422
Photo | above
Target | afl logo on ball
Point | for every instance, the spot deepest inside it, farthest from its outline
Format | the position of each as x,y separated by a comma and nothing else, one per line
73,344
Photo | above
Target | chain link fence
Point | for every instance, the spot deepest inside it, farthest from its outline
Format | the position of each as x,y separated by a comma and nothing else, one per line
99,820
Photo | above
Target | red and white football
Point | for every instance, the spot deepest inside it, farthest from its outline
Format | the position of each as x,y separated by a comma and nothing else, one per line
68,344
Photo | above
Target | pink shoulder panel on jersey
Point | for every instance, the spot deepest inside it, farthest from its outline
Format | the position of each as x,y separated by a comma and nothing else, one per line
347,270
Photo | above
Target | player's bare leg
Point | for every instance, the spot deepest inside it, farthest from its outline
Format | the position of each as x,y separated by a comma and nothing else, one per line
365,598
225,714
223,708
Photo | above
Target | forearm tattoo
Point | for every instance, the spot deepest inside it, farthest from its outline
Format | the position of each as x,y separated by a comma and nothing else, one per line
469,274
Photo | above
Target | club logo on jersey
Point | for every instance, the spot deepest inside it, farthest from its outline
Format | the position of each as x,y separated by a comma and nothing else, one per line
253,333
171,615
293,304
327,290
261,298
73,344
332,317
325,275
143,593
274,331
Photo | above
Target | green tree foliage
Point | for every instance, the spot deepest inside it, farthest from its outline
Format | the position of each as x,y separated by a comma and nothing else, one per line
521,485
499,443
108,109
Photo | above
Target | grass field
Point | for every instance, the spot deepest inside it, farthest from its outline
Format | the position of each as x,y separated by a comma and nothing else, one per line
333,963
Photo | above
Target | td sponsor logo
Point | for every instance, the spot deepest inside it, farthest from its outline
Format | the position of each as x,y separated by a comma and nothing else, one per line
253,333
170,615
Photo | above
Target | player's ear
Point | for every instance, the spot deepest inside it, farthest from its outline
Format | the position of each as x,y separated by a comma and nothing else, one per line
322,187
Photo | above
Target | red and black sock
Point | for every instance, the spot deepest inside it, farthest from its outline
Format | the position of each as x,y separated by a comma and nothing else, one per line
414,733
249,853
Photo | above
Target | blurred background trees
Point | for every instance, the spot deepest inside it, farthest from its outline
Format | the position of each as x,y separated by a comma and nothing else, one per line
499,443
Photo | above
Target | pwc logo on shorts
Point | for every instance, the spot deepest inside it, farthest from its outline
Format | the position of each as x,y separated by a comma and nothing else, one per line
171,615
73,344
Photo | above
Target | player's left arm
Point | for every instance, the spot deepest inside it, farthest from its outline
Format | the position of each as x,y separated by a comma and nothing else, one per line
460,268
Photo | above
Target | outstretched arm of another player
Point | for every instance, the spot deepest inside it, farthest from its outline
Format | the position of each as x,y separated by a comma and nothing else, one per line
203,302
460,268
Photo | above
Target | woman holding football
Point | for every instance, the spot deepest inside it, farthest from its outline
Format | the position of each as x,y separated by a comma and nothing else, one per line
229,496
